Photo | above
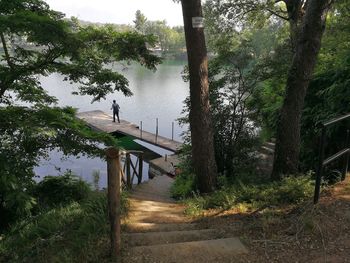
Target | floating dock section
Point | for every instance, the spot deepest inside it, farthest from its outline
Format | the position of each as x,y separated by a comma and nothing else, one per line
101,121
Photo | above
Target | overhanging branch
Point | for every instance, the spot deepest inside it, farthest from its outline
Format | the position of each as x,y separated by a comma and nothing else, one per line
7,54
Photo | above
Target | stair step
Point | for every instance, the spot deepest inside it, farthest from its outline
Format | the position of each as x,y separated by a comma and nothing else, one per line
270,145
150,192
158,218
264,157
152,197
218,250
157,238
266,150
155,208
154,227
150,203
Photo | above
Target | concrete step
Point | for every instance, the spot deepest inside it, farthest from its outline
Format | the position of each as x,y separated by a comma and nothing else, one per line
149,203
264,157
158,218
147,191
153,212
154,227
159,181
156,209
158,238
270,145
218,250
266,150
152,197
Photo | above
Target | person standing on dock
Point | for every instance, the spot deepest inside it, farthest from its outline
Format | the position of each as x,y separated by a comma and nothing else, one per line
115,108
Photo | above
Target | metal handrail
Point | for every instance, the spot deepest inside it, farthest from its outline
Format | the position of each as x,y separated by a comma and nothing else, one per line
322,162
327,123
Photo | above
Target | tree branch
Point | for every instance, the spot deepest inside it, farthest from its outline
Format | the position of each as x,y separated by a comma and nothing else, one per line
277,14
2,91
7,55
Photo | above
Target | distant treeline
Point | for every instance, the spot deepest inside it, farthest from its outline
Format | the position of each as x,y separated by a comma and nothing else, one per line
170,40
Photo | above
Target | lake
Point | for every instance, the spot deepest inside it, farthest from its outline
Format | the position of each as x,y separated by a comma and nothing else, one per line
158,94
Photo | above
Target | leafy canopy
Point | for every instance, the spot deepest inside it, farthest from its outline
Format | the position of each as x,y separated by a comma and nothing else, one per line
36,41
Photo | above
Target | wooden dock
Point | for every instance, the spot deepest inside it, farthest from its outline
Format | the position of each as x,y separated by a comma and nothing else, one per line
164,165
101,121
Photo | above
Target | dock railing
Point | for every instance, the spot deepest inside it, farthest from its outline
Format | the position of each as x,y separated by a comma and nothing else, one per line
322,162
157,130
131,168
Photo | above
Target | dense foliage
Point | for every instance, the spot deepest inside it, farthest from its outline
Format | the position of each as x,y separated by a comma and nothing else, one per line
27,135
170,40
69,224
261,29
37,41
59,190
253,51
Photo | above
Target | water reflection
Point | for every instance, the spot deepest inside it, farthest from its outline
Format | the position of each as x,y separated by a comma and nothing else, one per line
157,94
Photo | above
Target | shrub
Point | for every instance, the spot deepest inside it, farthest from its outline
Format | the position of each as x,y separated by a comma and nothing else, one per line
290,191
74,232
67,233
183,186
63,189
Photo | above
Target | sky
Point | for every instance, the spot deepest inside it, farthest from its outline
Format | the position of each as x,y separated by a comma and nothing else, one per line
119,11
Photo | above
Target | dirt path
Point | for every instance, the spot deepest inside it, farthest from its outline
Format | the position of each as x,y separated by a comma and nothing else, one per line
158,231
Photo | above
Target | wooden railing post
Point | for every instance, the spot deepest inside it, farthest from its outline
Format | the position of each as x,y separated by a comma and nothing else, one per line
114,206
156,130
141,130
140,168
346,156
128,175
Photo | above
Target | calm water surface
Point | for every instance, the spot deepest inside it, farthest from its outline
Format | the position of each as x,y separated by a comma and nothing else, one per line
158,94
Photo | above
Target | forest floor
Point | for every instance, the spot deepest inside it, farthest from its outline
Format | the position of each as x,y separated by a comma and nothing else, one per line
307,233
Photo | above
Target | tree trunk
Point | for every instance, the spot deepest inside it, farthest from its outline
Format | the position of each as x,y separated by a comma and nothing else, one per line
295,15
288,132
203,156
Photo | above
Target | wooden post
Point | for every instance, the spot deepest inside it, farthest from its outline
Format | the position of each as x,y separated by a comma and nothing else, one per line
128,176
156,130
141,130
346,156
140,168
113,172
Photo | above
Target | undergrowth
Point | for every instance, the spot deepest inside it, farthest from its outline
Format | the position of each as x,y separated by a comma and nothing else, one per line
245,196
75,229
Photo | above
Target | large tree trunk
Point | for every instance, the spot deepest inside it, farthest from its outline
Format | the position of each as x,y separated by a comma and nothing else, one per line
304,61
200,118
295,11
